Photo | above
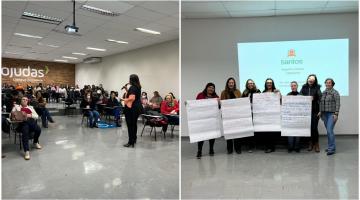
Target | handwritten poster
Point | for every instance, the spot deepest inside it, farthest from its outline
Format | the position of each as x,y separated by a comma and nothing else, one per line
266,112
203,119
296,116
236,118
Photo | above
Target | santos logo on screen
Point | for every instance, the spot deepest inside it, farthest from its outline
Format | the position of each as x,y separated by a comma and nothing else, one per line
293,61
287,61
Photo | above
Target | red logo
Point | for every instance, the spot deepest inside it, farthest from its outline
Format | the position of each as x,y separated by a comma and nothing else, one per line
291,53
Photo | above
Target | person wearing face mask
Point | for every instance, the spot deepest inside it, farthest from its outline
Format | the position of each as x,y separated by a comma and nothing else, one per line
207,93
231,92
312,88
293,142
250,89
90,104
133,108
329,112
270,137
28,125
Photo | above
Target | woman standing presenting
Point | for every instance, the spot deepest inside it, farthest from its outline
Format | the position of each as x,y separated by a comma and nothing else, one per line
231,92
207,93
133,108
312,88
329,111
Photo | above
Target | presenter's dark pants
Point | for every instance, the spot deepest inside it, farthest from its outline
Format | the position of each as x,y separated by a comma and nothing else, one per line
211,143
314,128
270,139
131,116
233,144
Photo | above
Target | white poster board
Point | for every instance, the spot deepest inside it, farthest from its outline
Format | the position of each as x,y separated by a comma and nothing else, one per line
236,118
266,112
203,119
296,116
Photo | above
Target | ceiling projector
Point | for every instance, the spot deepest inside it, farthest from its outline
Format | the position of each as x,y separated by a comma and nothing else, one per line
71,29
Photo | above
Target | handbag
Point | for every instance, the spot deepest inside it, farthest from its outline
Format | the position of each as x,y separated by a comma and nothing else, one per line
18,116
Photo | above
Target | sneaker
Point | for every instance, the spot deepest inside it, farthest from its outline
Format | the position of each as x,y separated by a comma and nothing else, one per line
250,151
198,155
330,153
37,146
27,155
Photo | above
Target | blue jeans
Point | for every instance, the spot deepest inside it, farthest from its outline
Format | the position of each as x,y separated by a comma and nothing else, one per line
93,117
328,118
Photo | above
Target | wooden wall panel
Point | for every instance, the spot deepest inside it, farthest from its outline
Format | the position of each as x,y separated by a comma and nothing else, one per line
35,72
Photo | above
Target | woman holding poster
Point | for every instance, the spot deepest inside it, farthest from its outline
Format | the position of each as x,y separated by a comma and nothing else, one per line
207,93
231,92
250,89
270,137
293,142
312,88
329,111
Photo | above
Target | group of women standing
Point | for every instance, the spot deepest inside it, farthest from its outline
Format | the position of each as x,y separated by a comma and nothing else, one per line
325,105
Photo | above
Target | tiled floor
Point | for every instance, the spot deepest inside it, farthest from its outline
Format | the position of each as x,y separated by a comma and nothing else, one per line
279,175
79,162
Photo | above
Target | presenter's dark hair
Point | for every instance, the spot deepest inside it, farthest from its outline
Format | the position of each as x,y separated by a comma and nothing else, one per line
294,82
316,83
273,85
227,89
208,85
134,80
332,81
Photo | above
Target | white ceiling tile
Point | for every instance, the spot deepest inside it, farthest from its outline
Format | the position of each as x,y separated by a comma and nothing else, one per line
14,5
165,7
40,9
339,9
262,13
11,12
169,21
249,5
192,7
206,14
281,5
342,4
298,11
65,6
144,14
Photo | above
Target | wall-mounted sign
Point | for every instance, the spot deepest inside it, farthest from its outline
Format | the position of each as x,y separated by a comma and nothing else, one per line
14,71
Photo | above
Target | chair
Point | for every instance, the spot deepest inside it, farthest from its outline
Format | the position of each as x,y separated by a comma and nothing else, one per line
85,115
14,127
68,102
153,121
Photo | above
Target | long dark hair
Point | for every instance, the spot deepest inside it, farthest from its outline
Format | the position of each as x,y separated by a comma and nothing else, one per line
134,80
227,89
273,85
208,85
247,89
316,84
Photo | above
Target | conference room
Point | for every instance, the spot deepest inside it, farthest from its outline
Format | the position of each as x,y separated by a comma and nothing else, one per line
89,90
257,123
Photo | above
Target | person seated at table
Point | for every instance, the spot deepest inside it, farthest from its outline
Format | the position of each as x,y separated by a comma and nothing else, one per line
89,106
40,107
170,108
116,109
28,125
155,101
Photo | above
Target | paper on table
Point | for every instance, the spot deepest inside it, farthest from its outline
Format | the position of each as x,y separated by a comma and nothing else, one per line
296,116
203,119
266,112
236,118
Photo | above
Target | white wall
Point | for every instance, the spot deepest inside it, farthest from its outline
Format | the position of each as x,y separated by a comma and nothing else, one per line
209,53
157,67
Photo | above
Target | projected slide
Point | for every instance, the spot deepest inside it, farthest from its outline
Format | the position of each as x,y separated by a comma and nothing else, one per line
287,61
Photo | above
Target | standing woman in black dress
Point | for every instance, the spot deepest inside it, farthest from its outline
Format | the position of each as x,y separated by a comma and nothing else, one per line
133,108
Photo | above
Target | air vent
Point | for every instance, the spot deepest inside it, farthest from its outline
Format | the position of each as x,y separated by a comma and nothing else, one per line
41,18
92,60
